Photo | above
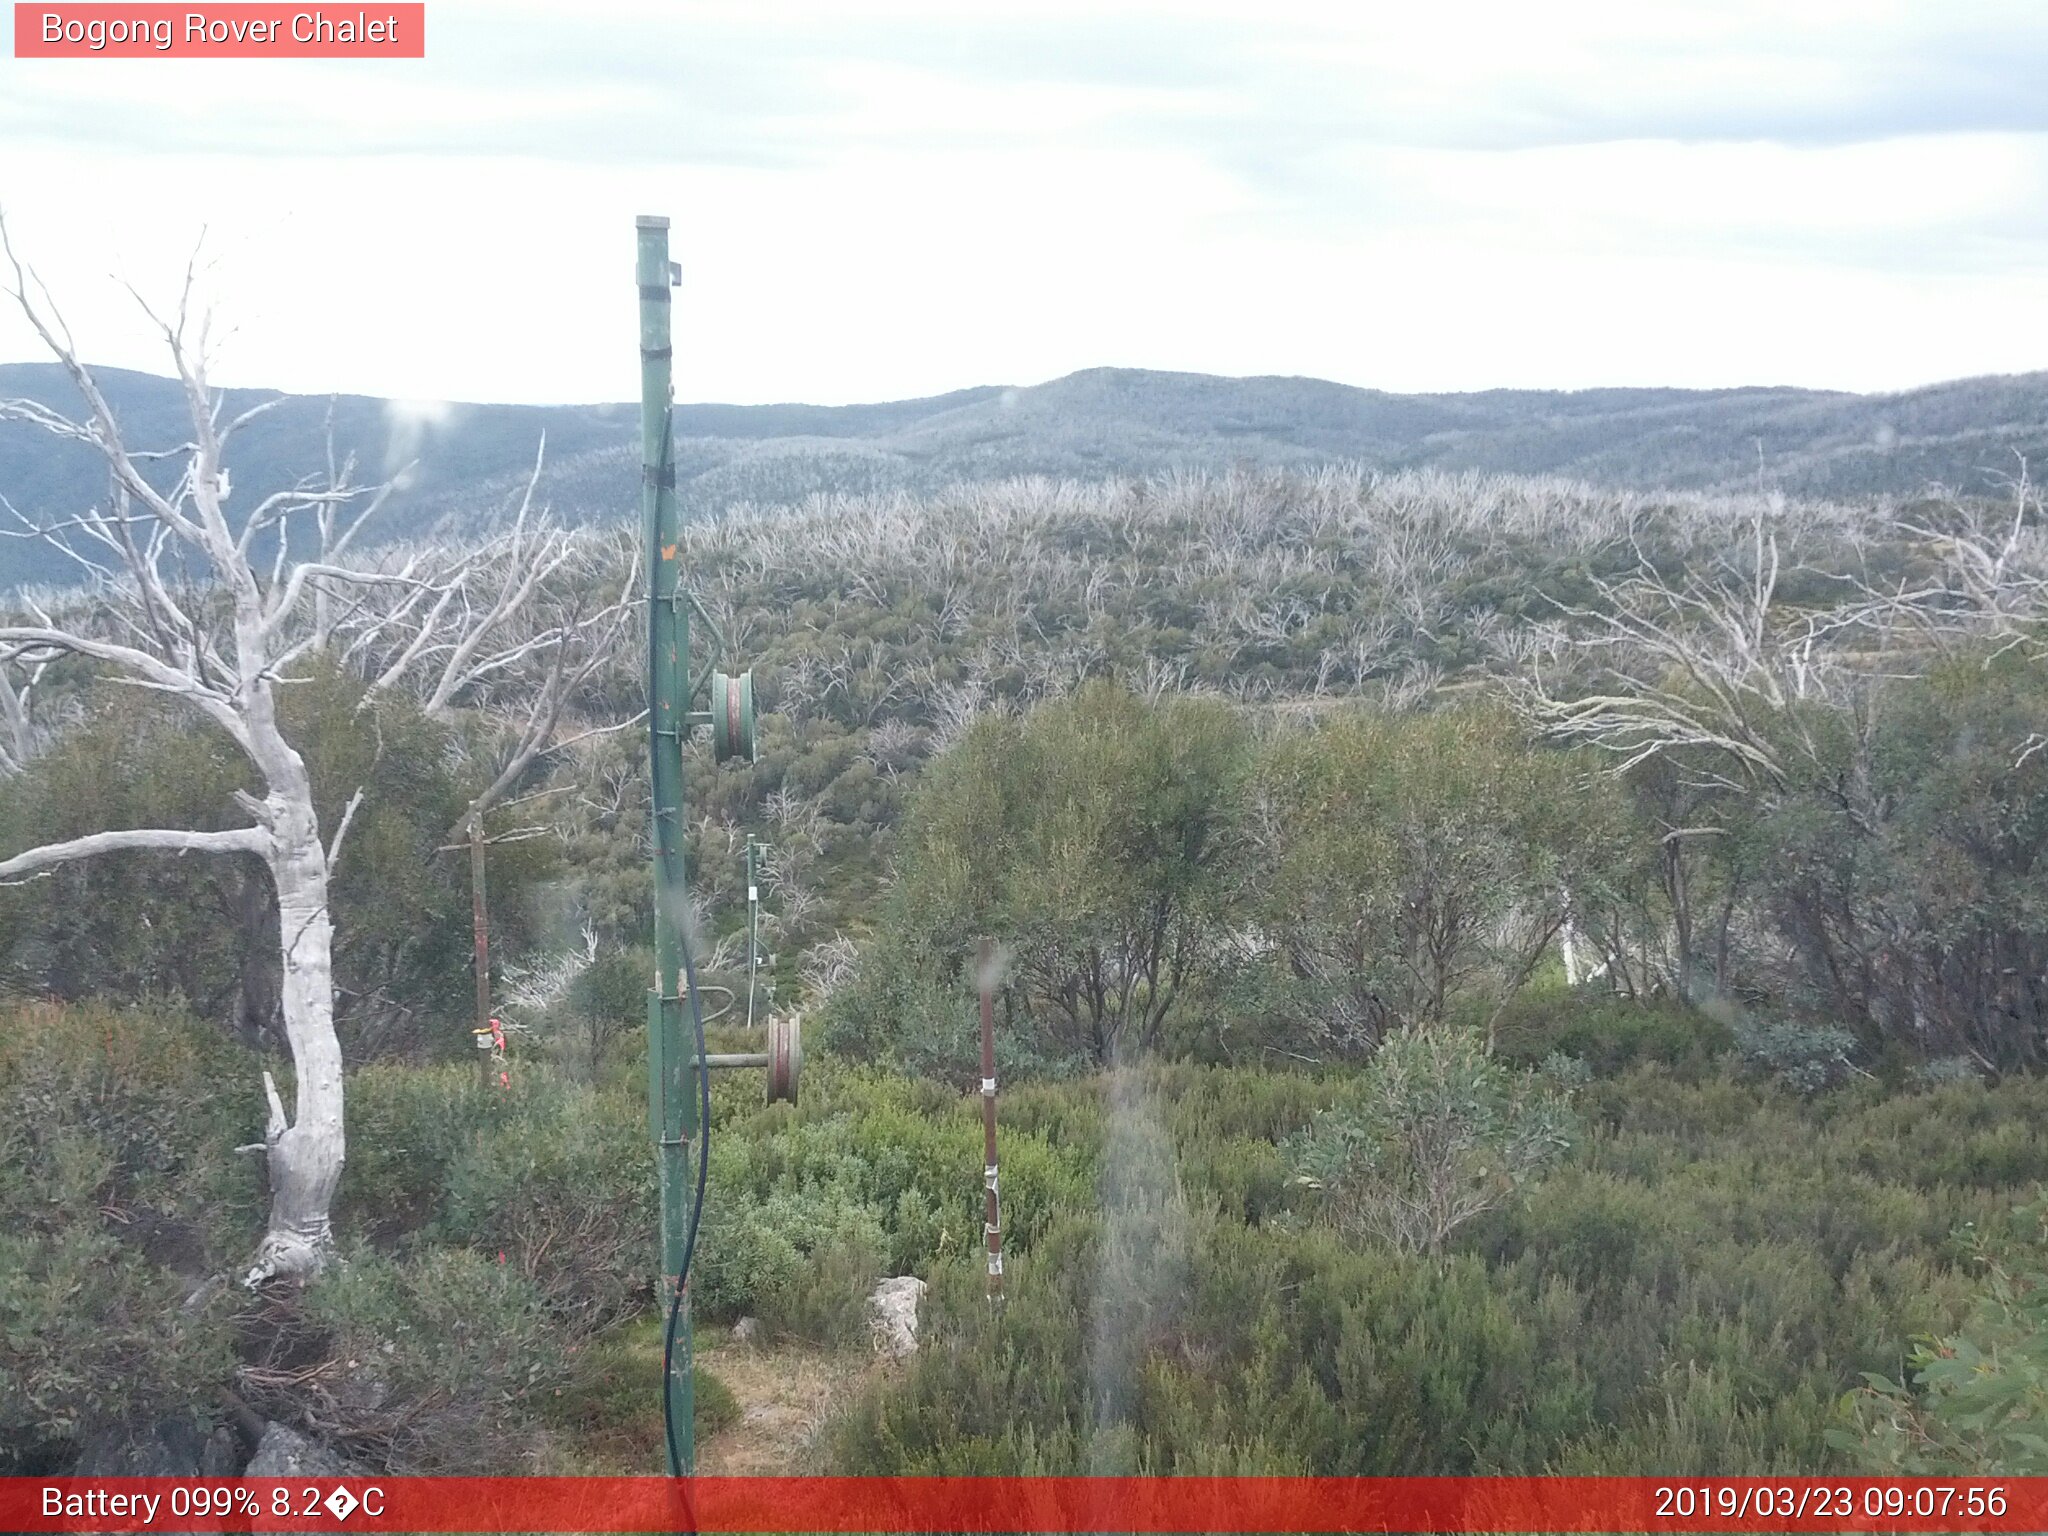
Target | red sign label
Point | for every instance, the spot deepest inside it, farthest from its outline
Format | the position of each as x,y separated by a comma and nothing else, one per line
1051,1506
220,31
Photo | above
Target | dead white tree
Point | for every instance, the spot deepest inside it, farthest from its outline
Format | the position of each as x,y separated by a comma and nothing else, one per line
513,630
1990,579
1713,673
1711,662
1750,695
181,601
19,734
1717,663
223,651
516,628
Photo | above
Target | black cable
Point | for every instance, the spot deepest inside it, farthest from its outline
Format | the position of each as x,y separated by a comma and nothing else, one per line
675,1305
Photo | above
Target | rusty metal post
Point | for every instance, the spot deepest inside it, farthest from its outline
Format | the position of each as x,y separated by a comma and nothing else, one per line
480,921
992,1219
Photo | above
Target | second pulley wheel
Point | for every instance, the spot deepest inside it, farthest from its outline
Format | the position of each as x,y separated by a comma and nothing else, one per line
785,1057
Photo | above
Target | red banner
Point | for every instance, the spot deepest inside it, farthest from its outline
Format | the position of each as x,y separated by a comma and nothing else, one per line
1025,1504
377,30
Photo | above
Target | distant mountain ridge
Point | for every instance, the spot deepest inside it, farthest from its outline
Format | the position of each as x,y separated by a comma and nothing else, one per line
468,459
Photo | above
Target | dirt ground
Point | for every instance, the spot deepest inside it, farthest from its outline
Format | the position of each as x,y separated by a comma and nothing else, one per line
786,1393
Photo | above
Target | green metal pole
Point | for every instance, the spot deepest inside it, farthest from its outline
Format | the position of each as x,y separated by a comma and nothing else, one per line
671,1054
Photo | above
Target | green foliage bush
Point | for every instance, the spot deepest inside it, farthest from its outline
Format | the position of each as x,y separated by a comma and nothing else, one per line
870,1175
555,1174
807,1205
563,1184
1610,1034
1805,1058
1441,1133
1893,884
1161,880
119,1195
443,1362
1977,1400
1696,1286
1699,1284
92,1334
137,925
406,1126
1420,861
1096,836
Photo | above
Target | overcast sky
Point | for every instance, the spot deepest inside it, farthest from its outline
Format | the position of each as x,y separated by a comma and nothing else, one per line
876,201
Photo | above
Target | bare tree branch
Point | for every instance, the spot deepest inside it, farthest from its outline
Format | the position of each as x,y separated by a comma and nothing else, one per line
50,855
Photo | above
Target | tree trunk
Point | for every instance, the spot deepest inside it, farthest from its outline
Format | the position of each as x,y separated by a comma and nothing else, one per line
258,1009
1679,893
1721,943
306,1155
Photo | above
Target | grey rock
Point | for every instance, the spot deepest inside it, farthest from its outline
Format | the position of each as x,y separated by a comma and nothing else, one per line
284,1452
893,1314
223,1455
171,1447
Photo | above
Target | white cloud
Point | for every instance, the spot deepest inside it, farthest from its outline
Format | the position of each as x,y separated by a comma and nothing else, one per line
922,197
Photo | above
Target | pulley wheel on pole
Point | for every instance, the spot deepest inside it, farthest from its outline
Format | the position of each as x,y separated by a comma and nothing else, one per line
782,1062
785,1057
732,716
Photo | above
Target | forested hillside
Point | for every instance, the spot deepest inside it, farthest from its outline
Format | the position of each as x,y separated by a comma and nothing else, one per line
463,464
1499,975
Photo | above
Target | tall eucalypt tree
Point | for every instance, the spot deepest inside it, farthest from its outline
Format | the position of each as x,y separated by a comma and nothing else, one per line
178,598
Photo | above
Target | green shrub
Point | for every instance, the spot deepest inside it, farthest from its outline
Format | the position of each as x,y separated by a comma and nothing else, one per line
162,1099
1977,1402
119,1195
1442,1133
1695,1287
406,1126
141,925
438,1363
1805,1058
562,1183
556,1175
802,1261
1419,862
1611,1034
1698,1284
92,1335
1096,834
872,1174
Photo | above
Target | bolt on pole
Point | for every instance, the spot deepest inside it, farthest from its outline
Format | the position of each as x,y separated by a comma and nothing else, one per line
671,1062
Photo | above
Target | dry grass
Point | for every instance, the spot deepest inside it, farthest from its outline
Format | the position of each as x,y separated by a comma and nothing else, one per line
788,1394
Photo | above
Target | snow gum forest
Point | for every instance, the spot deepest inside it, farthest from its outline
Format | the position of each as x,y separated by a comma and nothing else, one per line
1497,974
